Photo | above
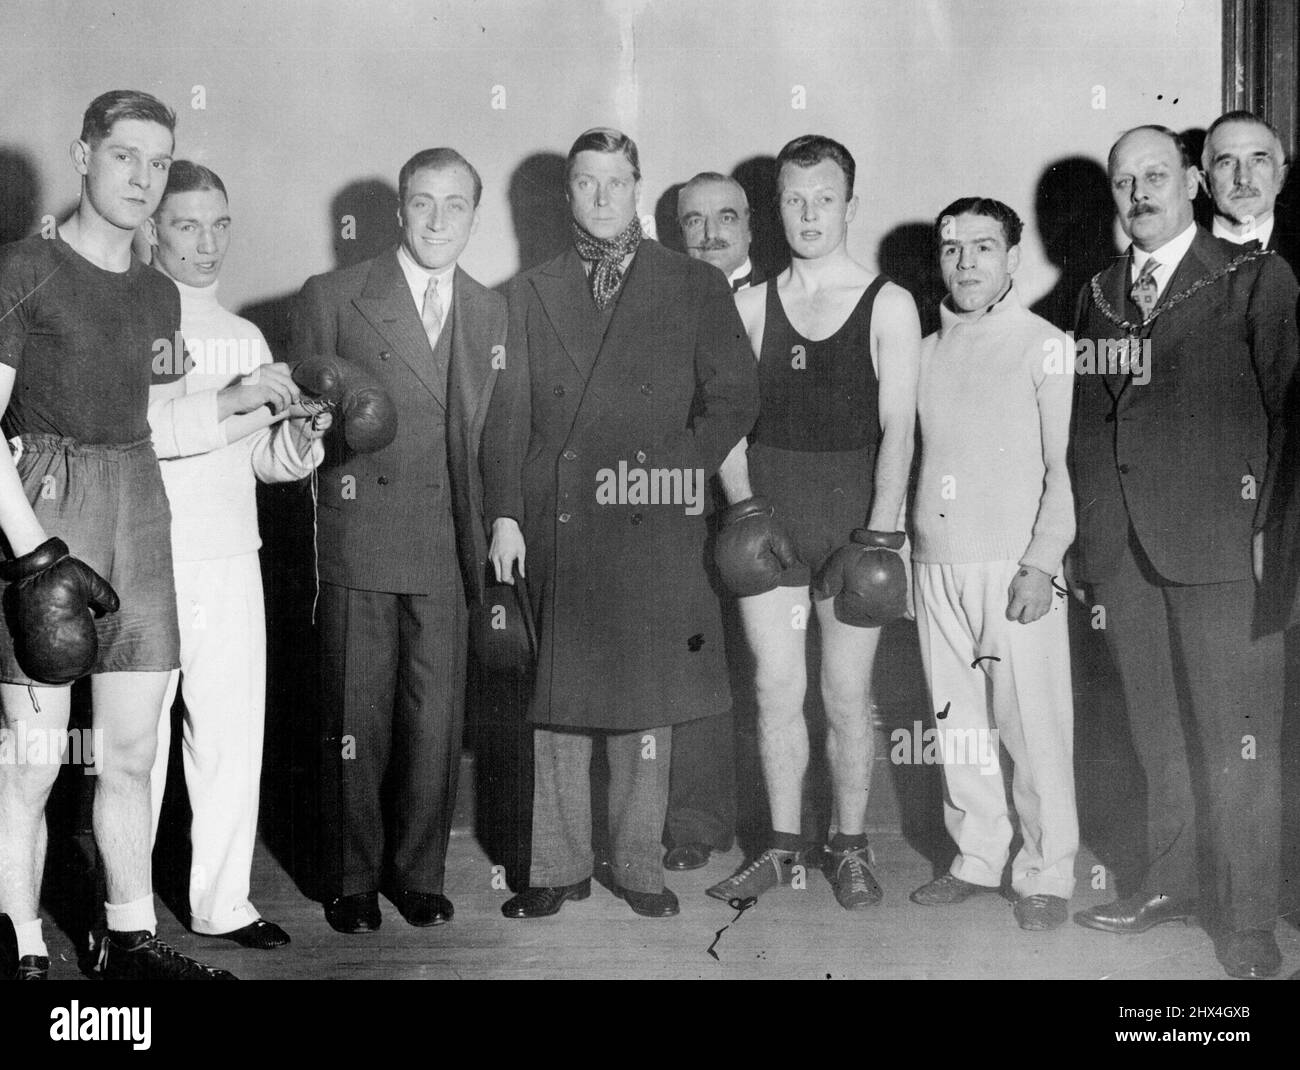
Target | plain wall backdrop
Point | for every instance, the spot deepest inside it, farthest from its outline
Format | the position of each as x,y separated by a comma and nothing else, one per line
304,103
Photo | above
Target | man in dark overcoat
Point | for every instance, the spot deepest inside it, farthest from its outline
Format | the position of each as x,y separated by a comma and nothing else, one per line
627,379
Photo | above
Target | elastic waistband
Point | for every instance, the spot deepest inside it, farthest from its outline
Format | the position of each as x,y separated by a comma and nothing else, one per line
42,442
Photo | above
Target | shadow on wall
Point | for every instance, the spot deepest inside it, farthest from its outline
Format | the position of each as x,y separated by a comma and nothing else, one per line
907,255
757,177
539,213
1076,220
362,224
666,228
19,195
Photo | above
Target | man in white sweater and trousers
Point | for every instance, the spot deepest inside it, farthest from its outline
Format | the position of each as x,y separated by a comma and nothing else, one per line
237,422
993,518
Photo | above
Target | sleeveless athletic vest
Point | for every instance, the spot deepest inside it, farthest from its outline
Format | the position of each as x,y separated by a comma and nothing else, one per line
818,396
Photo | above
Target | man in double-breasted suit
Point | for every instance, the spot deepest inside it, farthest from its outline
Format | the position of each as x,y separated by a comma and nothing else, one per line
627,381
400,545
1174,454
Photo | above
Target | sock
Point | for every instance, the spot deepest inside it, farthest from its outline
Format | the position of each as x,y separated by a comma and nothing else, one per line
30,941
786,841
842,841
135,916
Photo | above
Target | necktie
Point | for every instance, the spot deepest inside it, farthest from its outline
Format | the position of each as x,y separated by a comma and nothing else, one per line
1145,292
431,313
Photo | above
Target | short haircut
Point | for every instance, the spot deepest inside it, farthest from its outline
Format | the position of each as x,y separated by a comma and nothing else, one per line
438,159
186,176
705,177
118,104
985,206
1183,152
604,139
810,149
1241,116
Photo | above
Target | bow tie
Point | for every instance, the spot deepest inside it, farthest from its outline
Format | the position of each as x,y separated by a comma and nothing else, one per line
742,282
1252,246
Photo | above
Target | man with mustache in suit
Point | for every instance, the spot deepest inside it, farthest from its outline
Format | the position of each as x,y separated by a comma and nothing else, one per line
1172,478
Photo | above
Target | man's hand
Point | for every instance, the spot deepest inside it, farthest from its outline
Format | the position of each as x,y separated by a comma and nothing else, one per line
307,430
507,549
1030,594
267,384
1257,556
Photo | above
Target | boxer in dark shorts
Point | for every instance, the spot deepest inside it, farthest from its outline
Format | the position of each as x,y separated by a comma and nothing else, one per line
823,481
85,329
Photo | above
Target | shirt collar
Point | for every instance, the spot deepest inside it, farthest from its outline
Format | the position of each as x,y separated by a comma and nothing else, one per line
417,279
1168,256
745,269
1263,231
948,318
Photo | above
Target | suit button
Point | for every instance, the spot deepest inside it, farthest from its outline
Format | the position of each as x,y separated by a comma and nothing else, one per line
382,481
569,455
636,518
383,355
565,518
558,391
1123,469
646,388
640,456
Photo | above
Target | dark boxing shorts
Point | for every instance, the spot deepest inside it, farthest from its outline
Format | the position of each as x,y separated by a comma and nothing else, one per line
820,496
108,504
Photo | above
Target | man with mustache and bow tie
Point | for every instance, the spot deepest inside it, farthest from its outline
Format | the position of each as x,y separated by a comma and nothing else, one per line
1172,479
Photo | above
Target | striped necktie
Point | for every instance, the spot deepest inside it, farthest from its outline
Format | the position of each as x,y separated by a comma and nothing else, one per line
432,312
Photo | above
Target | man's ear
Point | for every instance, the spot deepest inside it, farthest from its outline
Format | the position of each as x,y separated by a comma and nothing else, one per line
80,153
851,209
1194,179
150,231
473,224
1013,259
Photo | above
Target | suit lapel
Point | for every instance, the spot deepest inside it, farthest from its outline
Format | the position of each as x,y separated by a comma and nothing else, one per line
562,287
386,304
471,348
1204,257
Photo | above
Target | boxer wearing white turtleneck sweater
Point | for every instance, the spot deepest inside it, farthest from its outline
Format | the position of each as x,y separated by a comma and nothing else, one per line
235,424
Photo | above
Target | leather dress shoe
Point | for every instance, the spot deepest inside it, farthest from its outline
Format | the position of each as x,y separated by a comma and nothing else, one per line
354,913
423,909
1137,913
260,935
688,856
1249,953
651,904
543,902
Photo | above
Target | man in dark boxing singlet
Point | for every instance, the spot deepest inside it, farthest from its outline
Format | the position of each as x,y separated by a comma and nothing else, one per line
838,352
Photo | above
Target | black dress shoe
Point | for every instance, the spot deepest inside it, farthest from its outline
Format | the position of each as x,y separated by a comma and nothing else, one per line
1137,913
423,909
543,902
688,856
260,935
1250,953
354,913
651,904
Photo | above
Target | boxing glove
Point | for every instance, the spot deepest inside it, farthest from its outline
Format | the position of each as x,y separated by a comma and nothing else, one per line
369,416
753,547
867,579
50,600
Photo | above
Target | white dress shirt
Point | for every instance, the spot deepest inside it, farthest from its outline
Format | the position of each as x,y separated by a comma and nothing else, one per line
1168,257
1263,231
417,278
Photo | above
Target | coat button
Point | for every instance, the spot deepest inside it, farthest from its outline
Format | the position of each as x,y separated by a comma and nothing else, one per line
640,456
570,455
565,518
558,391
636,518
383,355
646,388
1123,469
382,481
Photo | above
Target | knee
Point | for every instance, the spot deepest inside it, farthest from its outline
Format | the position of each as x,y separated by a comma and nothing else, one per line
28,782
847,700
779,693
129,756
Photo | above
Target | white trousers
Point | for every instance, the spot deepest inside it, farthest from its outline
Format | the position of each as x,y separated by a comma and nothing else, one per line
223,684
1026,696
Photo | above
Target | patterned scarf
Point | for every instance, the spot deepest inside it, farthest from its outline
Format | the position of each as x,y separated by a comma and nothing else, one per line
607,254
